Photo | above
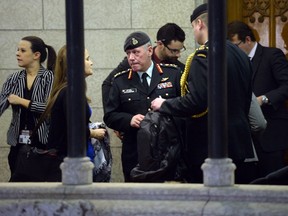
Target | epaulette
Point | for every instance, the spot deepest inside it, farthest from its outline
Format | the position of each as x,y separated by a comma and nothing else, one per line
121,73
202,51
168,65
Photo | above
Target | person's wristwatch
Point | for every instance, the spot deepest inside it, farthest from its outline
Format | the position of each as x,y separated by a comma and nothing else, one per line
265,100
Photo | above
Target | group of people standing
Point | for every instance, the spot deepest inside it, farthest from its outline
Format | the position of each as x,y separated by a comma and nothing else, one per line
38,131
153,79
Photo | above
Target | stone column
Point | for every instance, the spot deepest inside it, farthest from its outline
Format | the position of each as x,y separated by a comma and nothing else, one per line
218,172
77,171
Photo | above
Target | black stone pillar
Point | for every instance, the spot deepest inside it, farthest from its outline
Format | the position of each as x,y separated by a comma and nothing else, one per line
76,87
217,99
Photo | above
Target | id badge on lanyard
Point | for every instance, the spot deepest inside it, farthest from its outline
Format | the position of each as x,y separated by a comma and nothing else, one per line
24,137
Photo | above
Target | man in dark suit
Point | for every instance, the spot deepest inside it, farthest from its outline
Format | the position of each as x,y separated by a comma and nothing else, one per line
270,85
194,102
129,99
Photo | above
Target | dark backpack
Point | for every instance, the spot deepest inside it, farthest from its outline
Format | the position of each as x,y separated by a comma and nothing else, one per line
159,150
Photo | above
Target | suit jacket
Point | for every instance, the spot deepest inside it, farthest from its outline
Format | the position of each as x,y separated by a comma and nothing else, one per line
15,84
270,78
239,92
128,98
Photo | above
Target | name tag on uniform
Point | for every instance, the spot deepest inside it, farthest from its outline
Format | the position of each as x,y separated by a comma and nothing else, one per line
24,137
164,85
129,91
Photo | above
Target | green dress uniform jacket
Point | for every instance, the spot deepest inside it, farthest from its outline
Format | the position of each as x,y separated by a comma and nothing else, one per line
128,98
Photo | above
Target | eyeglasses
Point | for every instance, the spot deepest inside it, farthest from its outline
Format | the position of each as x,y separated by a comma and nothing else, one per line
175,51
237,44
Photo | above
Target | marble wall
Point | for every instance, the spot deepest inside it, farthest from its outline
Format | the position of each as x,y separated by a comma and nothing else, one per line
106,23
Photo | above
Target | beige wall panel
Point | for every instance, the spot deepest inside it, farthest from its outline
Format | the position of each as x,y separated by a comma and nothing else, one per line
4,167
16,14
4,125
4,75
94,83
105,47
98,14
117,175
155,13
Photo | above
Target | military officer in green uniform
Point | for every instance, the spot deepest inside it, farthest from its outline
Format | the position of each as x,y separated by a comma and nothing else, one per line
131,94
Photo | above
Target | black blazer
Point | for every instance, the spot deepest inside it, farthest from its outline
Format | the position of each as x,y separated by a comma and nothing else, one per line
239,74
270,78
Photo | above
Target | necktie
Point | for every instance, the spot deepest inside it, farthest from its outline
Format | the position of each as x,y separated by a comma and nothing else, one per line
144,81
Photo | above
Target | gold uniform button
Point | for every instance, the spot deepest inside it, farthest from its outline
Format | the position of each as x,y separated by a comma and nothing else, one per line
167,94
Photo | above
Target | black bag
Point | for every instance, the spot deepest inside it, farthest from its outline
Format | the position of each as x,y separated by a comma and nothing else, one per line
37,165
159,150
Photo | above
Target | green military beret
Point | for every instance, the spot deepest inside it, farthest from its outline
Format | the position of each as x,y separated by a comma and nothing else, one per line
136,39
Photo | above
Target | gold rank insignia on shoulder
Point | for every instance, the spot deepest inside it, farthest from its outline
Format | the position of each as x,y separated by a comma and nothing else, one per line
164,79
202,47
201,55
121,73
134,41
168,65
202,51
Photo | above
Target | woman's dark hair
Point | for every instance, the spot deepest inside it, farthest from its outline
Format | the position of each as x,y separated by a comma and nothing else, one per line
38,45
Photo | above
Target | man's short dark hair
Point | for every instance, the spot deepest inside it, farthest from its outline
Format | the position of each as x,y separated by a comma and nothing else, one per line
241,29
169,32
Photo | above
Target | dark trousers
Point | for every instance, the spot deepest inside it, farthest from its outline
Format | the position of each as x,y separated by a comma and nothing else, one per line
245,172
12,157
269,161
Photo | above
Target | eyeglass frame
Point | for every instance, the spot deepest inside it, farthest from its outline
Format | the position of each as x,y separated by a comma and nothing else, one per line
237,44
173,51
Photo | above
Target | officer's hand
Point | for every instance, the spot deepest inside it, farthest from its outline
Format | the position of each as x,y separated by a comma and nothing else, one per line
119,134
136,120
156,103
